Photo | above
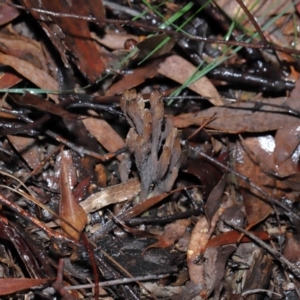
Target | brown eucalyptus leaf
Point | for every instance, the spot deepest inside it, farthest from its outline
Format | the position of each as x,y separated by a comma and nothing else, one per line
110,195
145,205
14,285
69,209
74,33
290,182
244,116
34,101
28,149
208,174
180,70
150,43
214,202
233,237
214,267
257,9
262,152
284,150
104,134
196,248
37,76
114,40
292,247
172,233
24,48
256,209
137,77
7,13
8,80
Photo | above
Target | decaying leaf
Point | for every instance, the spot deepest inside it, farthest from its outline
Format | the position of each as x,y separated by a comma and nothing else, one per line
214,267
68,34
197,245
7,13
24,48
13,285
244,116
180,70
110,195
213,202
284,150
256,209
259,273
34,101
232,237
27,147
138,76
39,77
149,135
172,233
104,134
69,209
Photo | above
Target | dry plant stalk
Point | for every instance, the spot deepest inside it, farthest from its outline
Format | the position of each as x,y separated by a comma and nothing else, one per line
153,141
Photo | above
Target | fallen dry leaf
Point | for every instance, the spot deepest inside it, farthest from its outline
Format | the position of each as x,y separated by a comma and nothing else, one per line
232,237
37,76
14,285
69,34
244,116
7,13
110,195
105,134
284,150
28,149
24,48
138,76
172,233
69,209
196,248
180,70
256,209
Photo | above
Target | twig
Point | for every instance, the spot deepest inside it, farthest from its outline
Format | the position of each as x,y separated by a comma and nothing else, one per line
252,20
256,291
117,281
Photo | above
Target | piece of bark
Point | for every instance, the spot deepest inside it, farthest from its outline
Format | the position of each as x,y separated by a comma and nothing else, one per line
259,274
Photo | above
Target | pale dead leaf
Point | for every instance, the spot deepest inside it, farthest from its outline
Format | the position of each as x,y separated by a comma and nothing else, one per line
104,134
196,247
284,150
69,209
172,233
256,209
27,147
24,48
13,285
180,70
37,76
110,195
244,116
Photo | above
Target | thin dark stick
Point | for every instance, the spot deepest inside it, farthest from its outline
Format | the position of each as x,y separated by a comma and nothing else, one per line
117,281
253,21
